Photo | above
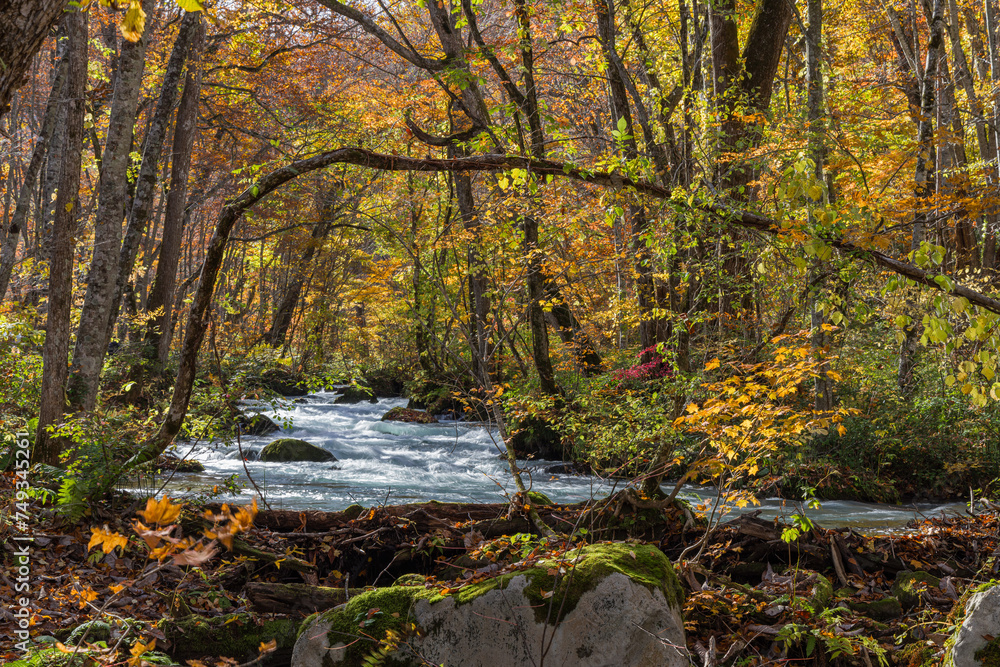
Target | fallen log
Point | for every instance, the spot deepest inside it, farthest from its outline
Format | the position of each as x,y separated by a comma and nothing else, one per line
302,599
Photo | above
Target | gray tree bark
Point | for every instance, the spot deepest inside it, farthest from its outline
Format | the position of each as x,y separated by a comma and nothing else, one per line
25,25
56,348
91,342
8,254
157,339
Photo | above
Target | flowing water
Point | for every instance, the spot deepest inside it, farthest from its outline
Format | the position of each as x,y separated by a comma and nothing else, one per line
395,463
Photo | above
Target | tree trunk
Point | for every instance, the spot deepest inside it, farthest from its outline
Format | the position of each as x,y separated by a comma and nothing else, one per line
145,188
8,255
275,335
157,339
25,26
91,341
56,349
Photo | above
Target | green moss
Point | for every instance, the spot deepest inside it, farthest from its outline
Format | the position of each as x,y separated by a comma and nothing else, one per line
646,565
539,498
49,657
917,654
360,628
411,579
908,586
352,512
822,594
233,636
643,564
989,655
880,610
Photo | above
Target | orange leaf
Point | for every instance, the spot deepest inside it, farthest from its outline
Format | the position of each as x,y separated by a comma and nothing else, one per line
160,512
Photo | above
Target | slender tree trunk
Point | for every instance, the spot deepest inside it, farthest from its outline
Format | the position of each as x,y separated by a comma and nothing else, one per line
25,23
162,292
8,254
145,189
91,341
275,335
56,349
923,189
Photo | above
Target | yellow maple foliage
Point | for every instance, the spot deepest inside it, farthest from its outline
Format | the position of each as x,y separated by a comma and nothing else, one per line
106,539
140,649
160,512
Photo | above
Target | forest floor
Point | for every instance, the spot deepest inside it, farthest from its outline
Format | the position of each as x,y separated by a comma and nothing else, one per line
758,592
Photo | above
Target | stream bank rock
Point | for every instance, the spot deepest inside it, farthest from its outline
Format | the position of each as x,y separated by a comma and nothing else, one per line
617,604
982,620
398,414
292,449
355,393
256,424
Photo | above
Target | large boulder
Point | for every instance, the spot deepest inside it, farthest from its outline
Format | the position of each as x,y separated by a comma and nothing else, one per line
976,642
292,449
256,424
284,382
616,604
398,414
356,393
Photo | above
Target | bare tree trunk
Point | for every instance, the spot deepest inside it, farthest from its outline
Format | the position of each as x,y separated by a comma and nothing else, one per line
25,26
8,254
142,202
275,335
91,341
923,188
162,292
56,349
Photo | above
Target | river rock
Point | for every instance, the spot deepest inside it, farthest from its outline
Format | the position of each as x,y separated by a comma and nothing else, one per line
292,449
256,425
982,620
533,437
356,393
284,382
398,414
620,605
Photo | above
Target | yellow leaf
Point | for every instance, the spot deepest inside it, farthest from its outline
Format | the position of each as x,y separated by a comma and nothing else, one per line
140,649
841,430
160,512
713,364
189,5
267,647
134,22
107,540
116,588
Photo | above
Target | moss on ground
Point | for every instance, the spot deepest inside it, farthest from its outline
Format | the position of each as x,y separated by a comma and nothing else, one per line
989,655
233,636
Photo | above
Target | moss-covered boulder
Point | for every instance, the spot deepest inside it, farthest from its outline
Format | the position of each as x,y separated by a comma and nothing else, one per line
356,393
539,498
292,449
256,424
399,414
283,381
909,585
975,643
606,604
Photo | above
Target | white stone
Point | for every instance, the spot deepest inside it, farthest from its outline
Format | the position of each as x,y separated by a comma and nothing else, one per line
982,618
619,623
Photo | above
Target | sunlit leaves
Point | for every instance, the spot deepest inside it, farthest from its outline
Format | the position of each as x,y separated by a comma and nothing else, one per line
106,540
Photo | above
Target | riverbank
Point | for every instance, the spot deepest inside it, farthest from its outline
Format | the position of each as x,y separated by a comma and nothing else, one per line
751,584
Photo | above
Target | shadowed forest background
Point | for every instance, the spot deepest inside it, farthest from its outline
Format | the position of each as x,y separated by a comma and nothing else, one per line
752,245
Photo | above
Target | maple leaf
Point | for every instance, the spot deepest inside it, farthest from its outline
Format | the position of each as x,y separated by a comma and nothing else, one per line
267,647
139,650
87,594
150,536
106,539
160,512
195,557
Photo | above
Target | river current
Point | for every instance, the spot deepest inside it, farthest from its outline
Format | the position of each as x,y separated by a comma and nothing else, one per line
395,463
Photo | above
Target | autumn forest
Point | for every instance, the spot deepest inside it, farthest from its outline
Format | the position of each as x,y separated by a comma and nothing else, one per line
744,247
